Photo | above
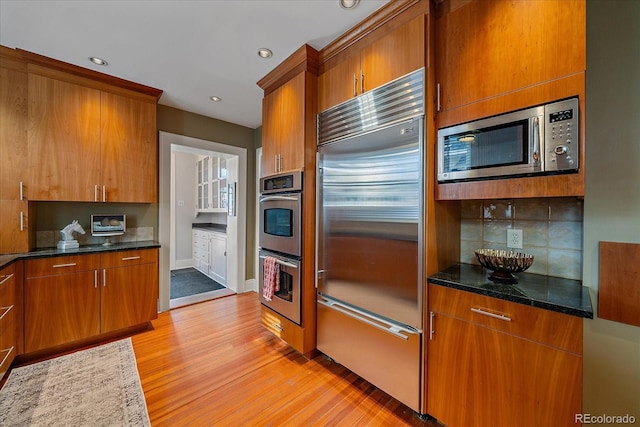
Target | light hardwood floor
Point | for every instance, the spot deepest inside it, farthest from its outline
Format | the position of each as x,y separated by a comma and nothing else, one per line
213,364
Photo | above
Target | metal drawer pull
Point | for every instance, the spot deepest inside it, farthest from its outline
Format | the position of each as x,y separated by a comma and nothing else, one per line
395,330
6,278
278,327
129,258
6,356
71,264
6,310
432,331
494,315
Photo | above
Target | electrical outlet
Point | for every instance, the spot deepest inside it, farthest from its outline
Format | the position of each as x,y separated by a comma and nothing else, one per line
514,238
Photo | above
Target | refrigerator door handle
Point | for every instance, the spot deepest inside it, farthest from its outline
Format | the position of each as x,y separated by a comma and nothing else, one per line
364,317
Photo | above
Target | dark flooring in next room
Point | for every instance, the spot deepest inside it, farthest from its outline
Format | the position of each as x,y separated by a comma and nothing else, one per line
189,286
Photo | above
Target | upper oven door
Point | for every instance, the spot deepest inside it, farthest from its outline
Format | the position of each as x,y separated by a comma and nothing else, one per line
504,145
280,226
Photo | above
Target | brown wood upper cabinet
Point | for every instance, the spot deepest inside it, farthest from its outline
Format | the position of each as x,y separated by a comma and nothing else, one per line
283,127
86,144
14,236
394,53
484,49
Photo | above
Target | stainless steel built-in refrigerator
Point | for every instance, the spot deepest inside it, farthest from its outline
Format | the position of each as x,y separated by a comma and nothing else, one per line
369,267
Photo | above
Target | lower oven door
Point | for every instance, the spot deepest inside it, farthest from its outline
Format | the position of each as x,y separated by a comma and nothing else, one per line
285,300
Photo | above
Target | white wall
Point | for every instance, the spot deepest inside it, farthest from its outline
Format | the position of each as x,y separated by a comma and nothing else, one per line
612,199
183,207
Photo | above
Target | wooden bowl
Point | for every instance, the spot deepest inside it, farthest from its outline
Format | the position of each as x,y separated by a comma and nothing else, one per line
503,263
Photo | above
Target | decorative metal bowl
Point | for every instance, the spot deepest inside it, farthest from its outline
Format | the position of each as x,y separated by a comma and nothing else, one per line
503,263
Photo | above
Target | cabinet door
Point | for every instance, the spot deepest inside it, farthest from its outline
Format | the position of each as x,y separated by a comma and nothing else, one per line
340,82
129,296
218,258
13,131
483,51
14,233
499,377
129,149
292,122
61,309
64,140
271,112
283,118
397,53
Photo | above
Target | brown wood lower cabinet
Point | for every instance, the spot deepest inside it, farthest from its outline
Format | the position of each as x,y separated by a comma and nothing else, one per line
71,298
9,325
487,368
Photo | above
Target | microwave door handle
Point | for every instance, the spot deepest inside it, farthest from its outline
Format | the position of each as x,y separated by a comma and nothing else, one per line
285,198
536,141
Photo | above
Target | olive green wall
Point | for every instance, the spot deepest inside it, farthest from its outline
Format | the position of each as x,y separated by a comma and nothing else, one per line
181,122
612,197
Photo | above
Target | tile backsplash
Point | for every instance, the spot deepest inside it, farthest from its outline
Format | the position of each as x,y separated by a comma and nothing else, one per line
551,228
49,239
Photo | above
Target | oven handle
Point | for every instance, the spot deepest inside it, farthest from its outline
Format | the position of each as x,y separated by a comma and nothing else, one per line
285,263
286,198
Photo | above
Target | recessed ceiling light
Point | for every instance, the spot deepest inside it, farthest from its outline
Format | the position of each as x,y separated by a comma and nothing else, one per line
348,4
98,61
263,52
215,98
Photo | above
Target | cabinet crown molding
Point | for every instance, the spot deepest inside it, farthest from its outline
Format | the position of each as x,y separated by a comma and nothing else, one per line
54,64
303,59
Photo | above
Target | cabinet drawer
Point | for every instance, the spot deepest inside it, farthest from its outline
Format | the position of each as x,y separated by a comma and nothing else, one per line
201,243
8,326
201,255
536,324
201,234
7,287
125,258
282,328
58,265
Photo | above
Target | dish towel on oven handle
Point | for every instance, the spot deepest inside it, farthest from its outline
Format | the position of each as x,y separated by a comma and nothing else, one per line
271,277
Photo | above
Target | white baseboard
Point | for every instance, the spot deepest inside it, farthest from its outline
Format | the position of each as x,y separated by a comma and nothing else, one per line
251,285
183,263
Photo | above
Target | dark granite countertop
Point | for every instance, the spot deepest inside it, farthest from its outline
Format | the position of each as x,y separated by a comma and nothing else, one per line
208,226
82,250
552,293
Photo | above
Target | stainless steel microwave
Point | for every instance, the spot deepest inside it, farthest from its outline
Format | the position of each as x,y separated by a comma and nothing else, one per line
537,140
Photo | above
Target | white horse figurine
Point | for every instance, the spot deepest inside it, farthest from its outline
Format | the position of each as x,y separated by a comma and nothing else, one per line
67,232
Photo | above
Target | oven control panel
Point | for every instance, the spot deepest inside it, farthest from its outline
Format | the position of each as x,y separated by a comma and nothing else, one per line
284,182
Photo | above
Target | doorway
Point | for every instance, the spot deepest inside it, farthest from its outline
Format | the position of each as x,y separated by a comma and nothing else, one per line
178,212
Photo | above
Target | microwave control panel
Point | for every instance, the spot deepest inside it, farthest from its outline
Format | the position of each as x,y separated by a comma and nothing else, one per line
561,135
281,183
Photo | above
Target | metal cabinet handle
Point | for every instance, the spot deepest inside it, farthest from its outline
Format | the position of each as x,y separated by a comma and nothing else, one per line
438,97
21,191
6,310
95,193
71,264
432,330
104,193
129,258
6,278
6,356
21,221
95,279
361,82
490,314
355,85
276,326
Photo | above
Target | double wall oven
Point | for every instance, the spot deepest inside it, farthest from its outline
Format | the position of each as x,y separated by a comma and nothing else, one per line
281,239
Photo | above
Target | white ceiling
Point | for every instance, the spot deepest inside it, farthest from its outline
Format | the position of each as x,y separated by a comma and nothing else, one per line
190,49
